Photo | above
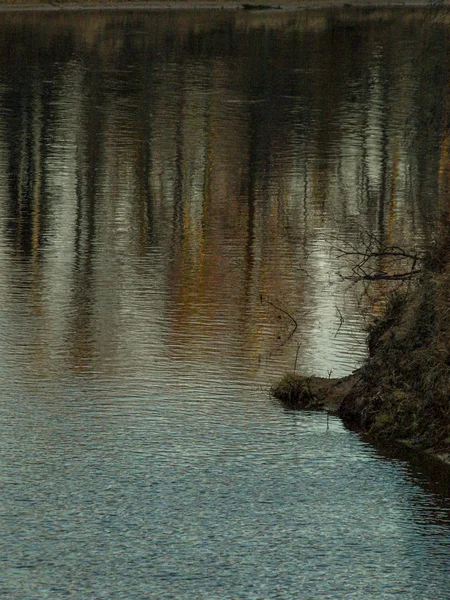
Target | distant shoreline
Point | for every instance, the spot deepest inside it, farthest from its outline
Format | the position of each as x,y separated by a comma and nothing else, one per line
251,5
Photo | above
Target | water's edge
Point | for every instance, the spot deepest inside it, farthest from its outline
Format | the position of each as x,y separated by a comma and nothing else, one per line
401,392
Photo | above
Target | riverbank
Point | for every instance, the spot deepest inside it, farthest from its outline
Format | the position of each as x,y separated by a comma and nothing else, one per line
402,391
250,5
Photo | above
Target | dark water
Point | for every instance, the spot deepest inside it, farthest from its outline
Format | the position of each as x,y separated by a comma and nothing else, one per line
180,197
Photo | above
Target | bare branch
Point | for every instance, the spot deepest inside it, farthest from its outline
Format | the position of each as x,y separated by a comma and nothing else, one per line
296,358
286,313
393,277
372,248
341,320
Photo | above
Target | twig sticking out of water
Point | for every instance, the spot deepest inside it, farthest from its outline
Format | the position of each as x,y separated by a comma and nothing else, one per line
370,249
285,312
341,320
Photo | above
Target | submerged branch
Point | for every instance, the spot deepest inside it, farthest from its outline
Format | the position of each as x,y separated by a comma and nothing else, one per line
285,312
384,276
341,321
372,249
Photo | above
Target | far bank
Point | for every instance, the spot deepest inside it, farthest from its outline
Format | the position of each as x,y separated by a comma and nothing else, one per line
248,5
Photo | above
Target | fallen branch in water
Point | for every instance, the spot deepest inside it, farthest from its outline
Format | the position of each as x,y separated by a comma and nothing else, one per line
383,276
260,7
372,249
287,314
341,319
296,358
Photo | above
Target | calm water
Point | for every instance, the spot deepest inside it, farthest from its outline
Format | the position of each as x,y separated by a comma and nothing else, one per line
176,190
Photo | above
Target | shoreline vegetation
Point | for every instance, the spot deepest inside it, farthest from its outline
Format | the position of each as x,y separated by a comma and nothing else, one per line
247,5
401,393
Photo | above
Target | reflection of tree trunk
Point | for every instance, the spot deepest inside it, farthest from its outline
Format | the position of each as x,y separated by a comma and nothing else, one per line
36,158
208,169
432,77
23,174
26,171
145,167
19,174
364,184
384,165
179,162
46,118
89,166
251,193
146,171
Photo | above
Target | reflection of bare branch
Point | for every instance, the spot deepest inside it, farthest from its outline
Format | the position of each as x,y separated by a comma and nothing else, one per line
287,314
369,248
304,271
341,320
392,251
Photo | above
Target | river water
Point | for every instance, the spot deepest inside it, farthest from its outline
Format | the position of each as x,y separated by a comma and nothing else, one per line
183,196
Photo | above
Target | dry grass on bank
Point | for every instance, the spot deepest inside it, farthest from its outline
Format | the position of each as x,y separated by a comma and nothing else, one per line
295,391
313,393
404,391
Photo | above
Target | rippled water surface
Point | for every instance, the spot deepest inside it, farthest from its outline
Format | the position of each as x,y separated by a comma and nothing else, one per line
182,199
